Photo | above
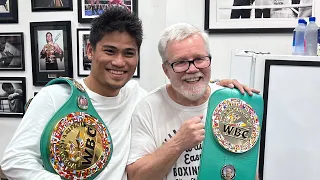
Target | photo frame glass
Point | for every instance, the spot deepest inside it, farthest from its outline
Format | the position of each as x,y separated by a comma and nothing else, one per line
89,9
256,14
51,5
84,64
12,96
12,51
51,51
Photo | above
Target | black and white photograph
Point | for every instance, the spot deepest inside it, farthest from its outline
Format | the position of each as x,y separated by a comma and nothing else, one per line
8,11
51,5
236,16
89,9
11,52
51,50
84,63
4,6
12,96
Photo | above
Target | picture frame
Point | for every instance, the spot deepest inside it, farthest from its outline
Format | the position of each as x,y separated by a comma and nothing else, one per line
274,142
83,63
8,11
86,13
12,96
230,16
51,5
12,50
51,50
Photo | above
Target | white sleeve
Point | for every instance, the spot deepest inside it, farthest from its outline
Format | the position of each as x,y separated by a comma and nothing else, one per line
142,137
22,160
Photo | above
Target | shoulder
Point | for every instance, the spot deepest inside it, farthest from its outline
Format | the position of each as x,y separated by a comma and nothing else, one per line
133,87
55,95
151,99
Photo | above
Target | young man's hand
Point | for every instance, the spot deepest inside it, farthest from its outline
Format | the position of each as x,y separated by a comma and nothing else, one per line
233,83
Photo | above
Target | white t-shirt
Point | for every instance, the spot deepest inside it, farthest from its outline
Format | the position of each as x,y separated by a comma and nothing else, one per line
155,120
21,159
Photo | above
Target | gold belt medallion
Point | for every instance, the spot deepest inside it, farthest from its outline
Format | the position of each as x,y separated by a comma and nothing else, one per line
79,146
235,125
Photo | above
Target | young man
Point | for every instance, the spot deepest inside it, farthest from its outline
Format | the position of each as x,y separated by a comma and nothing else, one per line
115,40
168,124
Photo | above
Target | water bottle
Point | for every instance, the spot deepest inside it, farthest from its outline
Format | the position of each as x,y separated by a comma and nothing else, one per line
298,38
319,42
311,37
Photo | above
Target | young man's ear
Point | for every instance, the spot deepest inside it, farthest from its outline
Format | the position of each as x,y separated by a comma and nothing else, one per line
89,51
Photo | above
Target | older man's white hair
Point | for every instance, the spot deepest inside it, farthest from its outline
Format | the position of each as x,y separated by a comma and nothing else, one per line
178,32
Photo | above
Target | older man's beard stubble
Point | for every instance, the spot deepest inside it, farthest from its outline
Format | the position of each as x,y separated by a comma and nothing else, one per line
191,91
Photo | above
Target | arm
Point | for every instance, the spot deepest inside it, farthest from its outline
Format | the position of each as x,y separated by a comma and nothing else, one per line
155,163
43,52
58,51
22,160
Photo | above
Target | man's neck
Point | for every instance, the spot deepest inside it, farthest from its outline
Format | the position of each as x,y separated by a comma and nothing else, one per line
99,88
180,99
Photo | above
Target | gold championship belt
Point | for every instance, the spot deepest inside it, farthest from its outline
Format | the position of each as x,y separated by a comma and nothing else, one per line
49,50
75,143
232,128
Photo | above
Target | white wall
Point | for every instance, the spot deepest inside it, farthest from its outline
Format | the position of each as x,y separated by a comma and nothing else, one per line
156,15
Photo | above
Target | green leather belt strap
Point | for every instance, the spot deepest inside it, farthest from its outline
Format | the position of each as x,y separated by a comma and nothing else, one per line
75,143
230,147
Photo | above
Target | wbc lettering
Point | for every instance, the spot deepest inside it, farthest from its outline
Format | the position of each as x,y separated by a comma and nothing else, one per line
236,132
89,148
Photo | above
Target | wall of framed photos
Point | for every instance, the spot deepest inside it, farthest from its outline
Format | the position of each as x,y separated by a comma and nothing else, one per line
155,15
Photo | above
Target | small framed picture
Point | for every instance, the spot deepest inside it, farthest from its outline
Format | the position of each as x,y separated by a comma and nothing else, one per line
51,50
51,5
11,52
12,96
8,11
84,64
89,9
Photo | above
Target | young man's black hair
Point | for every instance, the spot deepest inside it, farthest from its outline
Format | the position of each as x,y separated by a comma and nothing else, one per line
116,18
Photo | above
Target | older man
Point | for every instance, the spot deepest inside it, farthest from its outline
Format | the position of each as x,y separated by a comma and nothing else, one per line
168,124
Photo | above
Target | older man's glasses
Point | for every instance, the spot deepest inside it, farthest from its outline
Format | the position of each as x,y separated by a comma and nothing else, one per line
184,65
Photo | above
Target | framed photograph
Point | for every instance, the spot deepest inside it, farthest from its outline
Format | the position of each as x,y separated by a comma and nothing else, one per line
256,16
8,11
51,50
12,96
84,64
89,9
11,52
51,5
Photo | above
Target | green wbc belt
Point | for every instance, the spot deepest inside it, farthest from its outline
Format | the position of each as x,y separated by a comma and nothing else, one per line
230,148
75,143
